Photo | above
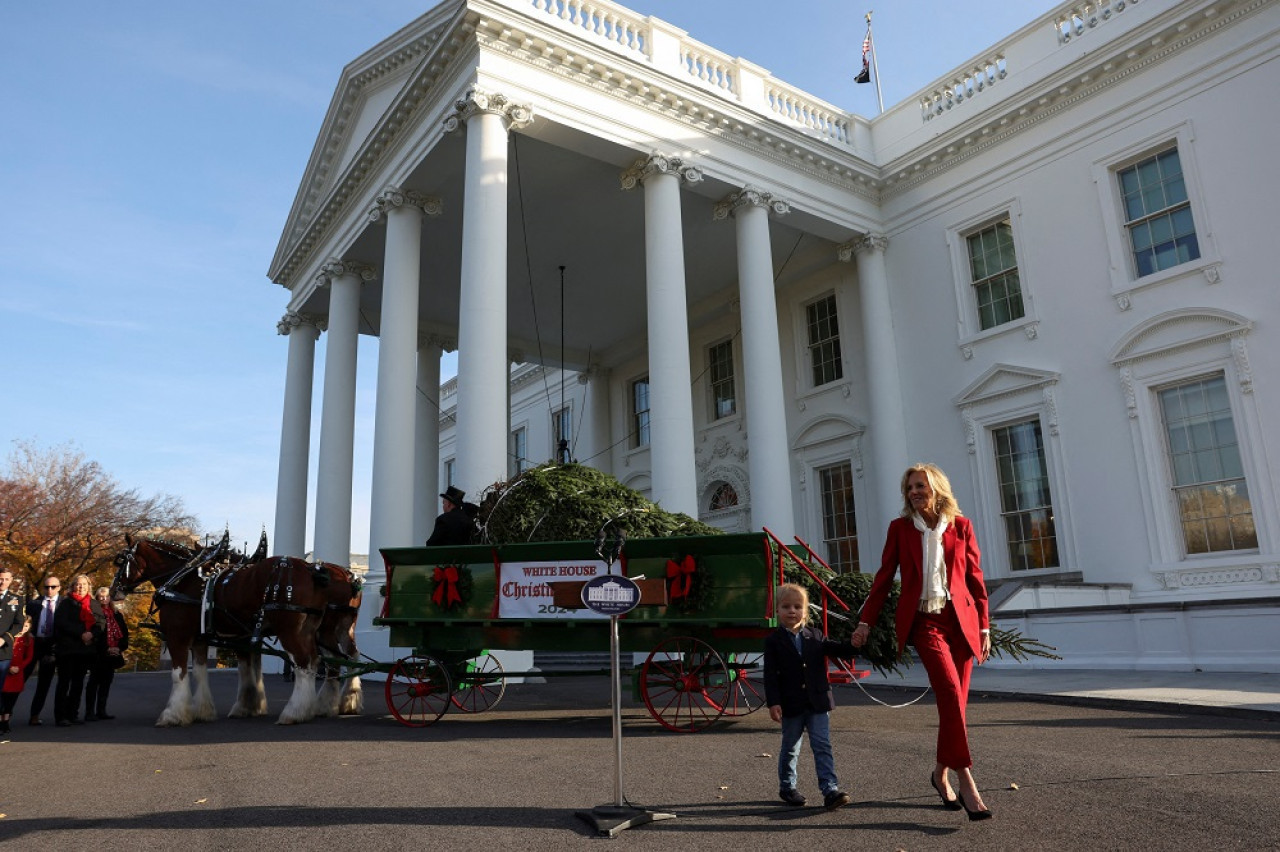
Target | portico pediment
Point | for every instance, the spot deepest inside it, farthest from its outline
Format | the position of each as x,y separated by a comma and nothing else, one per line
1002,380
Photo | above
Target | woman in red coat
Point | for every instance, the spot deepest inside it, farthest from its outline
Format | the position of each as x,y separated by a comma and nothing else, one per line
942,611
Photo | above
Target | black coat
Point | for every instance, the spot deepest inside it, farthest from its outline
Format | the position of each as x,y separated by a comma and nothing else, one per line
11,619
69,630
797,680
452,527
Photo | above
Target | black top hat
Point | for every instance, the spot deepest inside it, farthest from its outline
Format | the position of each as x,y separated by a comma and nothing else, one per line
454,495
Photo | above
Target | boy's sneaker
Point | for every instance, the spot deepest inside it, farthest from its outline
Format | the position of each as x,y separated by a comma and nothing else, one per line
793,797
835,799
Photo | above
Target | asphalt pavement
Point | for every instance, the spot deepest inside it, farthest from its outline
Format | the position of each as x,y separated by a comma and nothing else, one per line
1122,761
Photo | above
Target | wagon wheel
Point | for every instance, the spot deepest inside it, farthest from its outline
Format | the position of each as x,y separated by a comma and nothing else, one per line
746,687
481,684
417,691
685,684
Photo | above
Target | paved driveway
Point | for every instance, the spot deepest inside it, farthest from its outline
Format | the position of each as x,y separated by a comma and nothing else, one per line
513,778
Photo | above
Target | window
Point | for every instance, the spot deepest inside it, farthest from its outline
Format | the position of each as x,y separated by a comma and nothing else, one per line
1025,502
449,467
824,341
720,365
562,434
993,269
839,526
1207,474
519,450
725,497
640,412
1157,213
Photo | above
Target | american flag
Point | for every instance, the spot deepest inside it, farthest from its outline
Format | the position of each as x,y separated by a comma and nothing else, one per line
864,76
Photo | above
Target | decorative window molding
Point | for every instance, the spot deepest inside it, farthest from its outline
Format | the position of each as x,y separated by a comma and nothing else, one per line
824,442
1125,279
1172,348
968,321
1002,396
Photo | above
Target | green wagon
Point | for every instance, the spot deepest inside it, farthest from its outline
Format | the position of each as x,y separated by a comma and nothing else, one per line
707,605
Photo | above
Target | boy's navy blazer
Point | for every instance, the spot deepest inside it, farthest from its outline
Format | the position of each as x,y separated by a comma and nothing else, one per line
797,680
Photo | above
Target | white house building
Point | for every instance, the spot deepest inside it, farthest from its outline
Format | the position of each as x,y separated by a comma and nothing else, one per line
1048,272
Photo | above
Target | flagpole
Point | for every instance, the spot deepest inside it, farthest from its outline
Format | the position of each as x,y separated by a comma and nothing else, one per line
875,68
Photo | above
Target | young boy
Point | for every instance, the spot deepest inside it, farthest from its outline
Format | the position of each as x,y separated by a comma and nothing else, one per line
799,696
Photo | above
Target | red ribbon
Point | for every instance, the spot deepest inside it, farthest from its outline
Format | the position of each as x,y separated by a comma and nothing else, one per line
446,584
681,576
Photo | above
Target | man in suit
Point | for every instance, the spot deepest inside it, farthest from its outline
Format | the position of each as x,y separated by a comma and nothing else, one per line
40,610
12,616
453,526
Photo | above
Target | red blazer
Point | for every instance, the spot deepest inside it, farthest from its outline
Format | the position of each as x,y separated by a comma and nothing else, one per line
904,549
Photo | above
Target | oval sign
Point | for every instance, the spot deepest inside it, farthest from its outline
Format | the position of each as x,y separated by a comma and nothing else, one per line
610,594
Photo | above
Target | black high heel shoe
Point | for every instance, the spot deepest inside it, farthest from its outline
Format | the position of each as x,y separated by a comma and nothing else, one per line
974,816
949,804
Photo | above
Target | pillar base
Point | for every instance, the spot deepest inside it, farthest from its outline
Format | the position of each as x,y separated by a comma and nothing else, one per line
612,820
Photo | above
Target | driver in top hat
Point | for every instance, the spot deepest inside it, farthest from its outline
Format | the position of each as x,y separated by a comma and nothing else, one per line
453,526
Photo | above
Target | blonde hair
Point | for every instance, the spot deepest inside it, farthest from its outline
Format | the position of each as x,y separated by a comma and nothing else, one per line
787,590
944,502
75,578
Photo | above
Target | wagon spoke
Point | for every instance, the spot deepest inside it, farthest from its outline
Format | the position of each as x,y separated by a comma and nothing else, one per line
417,691
481,684
684,684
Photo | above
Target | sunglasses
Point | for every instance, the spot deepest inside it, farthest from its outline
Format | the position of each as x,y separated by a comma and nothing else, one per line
52,587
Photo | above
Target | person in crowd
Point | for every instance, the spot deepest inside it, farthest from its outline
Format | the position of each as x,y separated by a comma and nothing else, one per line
109,657
452,525
942,612
78,626
41,611
12,614
15,676
799,695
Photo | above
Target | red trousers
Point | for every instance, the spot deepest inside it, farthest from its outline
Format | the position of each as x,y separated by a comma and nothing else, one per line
948,660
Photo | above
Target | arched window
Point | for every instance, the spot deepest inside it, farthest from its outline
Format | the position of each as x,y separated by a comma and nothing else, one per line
724,497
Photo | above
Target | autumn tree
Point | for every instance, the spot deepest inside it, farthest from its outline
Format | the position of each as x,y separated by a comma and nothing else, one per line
61,513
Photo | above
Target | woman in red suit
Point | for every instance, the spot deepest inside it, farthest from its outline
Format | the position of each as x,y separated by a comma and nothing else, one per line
942,611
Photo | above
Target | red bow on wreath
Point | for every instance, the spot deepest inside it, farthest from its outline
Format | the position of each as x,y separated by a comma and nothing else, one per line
446,580
681,576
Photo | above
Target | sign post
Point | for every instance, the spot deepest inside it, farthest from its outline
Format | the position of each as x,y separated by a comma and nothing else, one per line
615,595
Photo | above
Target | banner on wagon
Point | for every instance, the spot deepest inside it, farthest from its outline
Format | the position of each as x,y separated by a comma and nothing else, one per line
524,588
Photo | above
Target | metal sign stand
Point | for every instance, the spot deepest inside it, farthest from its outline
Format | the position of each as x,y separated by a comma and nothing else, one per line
612,820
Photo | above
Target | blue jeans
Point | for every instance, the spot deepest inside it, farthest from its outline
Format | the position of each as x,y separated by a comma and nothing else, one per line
819,727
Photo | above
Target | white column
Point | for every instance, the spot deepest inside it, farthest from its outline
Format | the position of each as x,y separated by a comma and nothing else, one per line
597,401
482,322
887,428
426,454
290,538
338,410
768,457
391,499
671,456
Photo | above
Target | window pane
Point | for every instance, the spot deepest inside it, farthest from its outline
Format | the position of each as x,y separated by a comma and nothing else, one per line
993,266
1158,215
640,412
1025,500
824,341
1208,476
839,522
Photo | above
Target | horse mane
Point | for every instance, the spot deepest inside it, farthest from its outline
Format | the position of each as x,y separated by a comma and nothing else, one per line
171,548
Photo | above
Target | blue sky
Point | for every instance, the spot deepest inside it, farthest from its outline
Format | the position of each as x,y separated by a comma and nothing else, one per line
149,155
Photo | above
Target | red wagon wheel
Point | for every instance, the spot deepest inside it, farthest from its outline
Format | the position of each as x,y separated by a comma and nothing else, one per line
685,684
417,691
746,687
481,684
